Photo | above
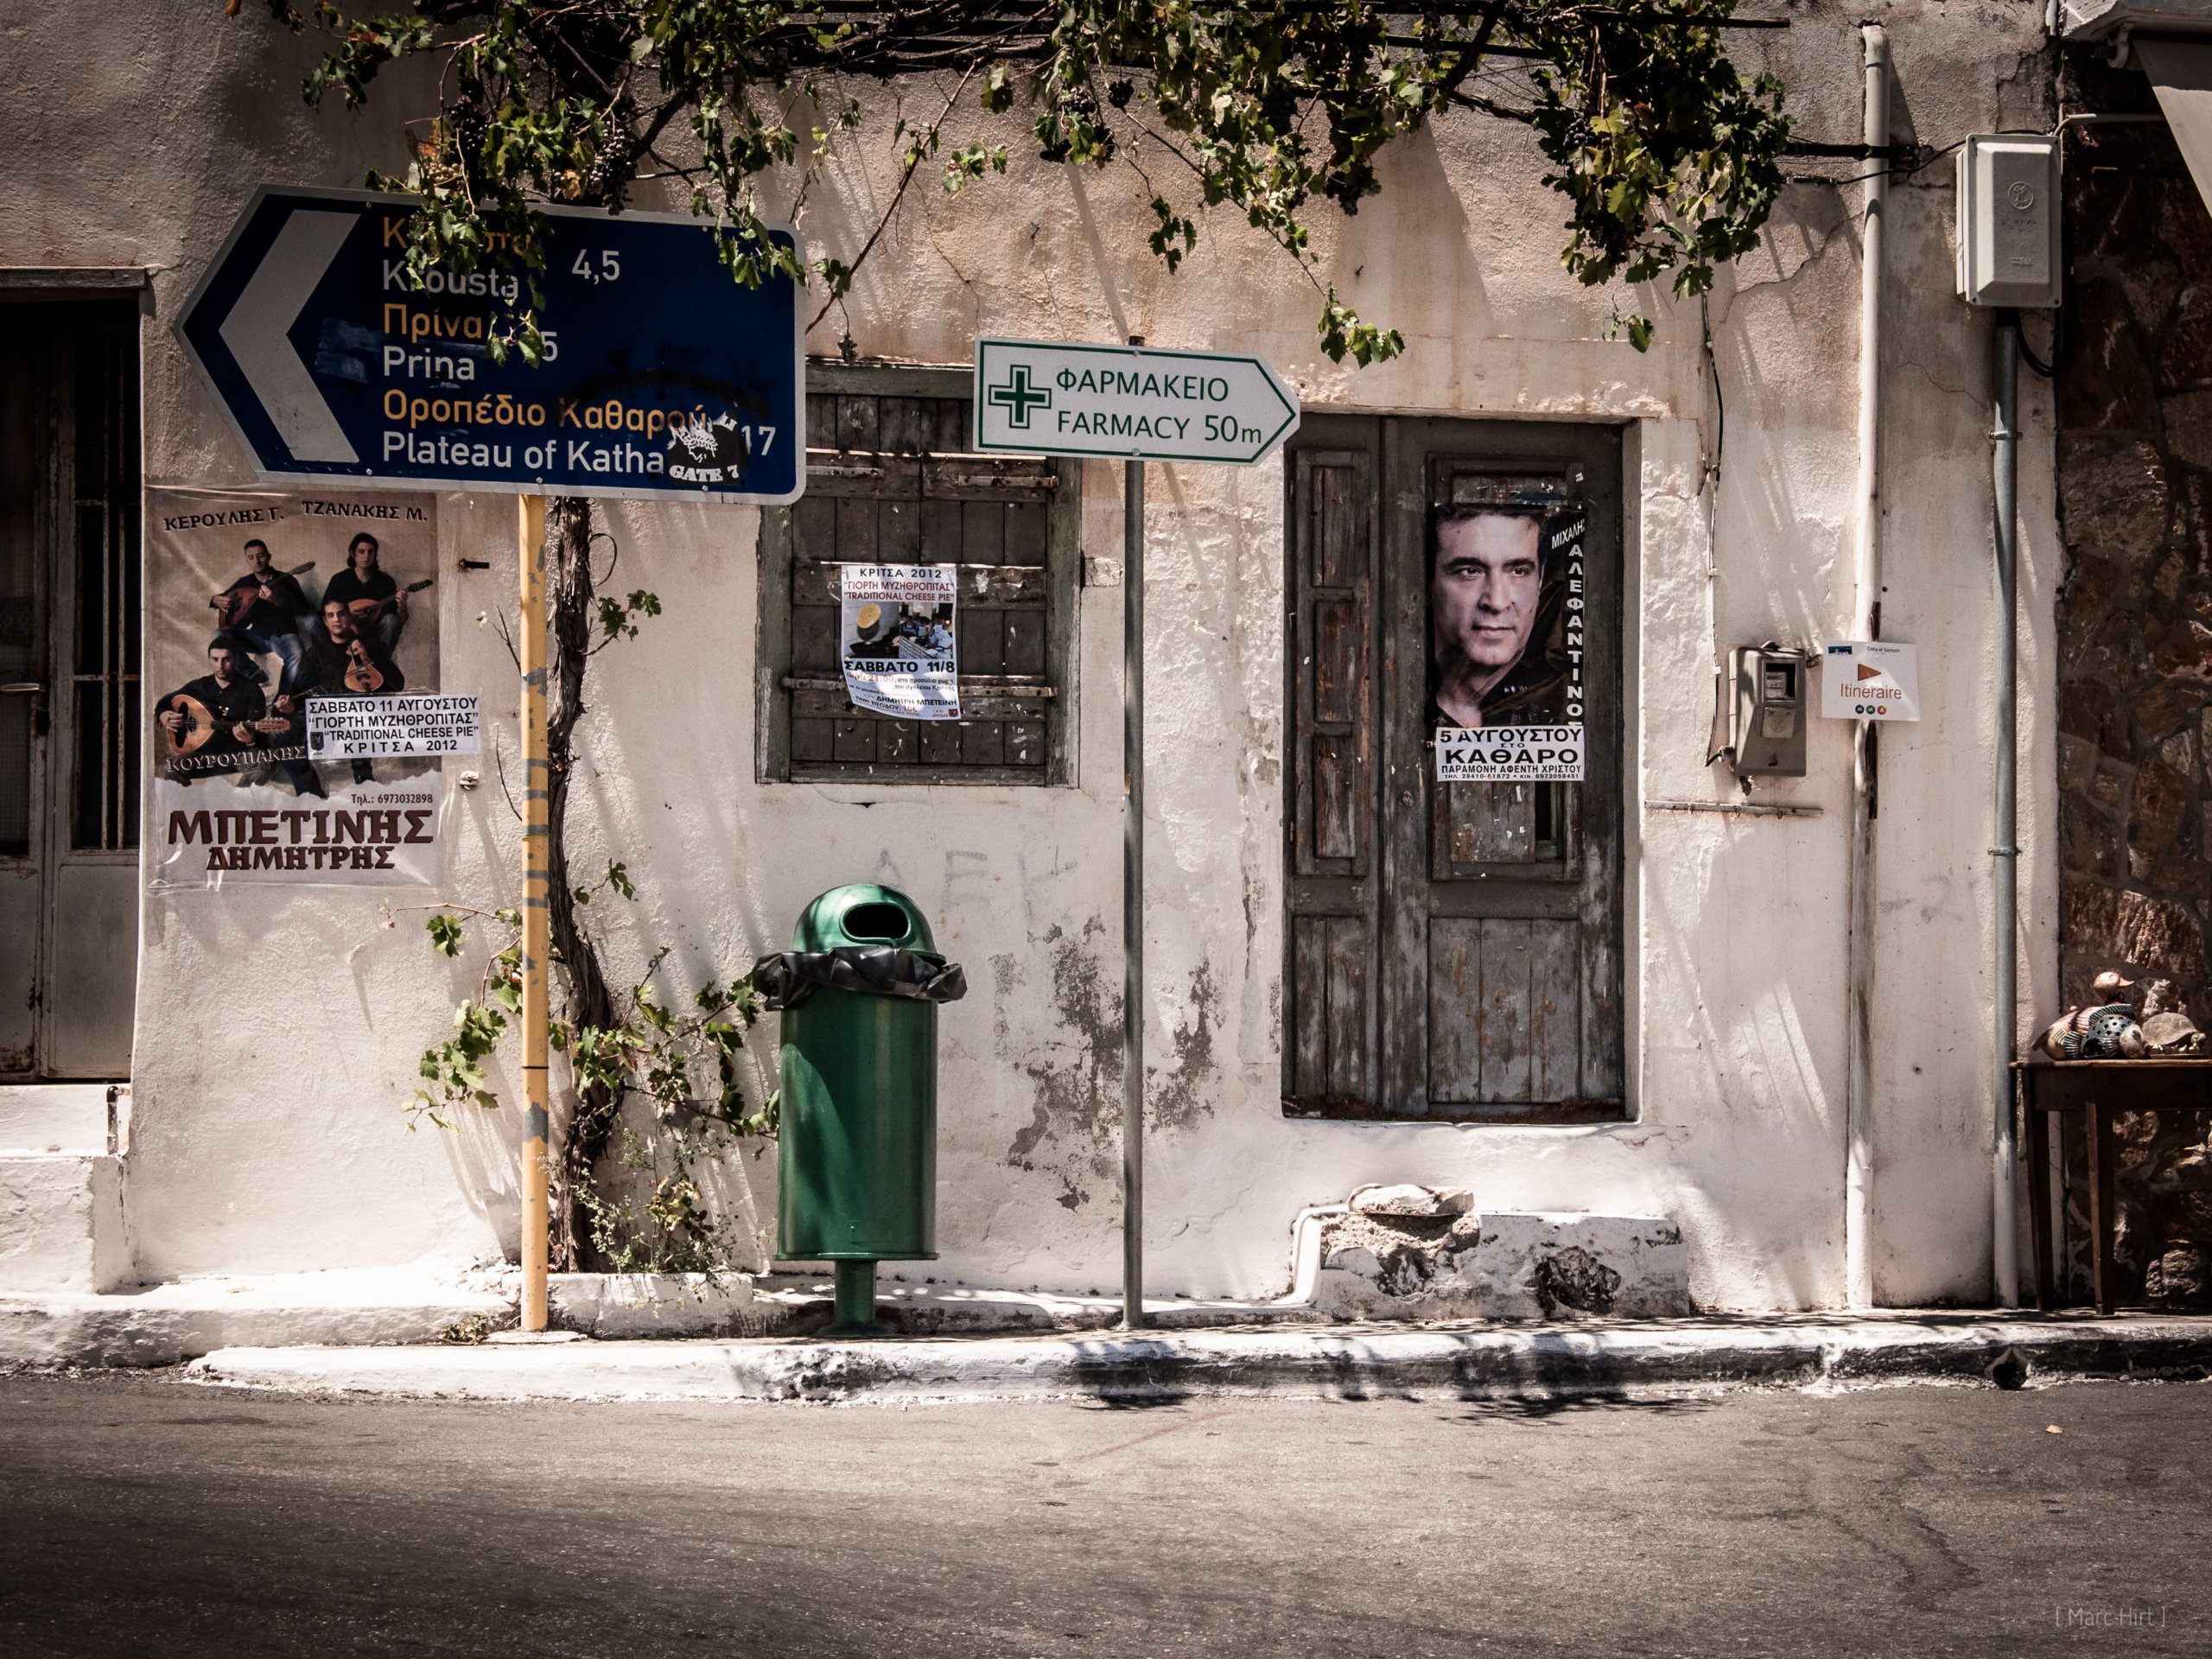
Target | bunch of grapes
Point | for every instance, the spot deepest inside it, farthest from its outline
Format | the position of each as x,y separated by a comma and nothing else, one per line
1077,107
469,126
613,165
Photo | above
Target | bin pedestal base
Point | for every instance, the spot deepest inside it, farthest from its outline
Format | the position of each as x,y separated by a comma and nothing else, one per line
855,1301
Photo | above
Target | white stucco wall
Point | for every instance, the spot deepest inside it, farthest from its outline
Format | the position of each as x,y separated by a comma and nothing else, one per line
247,1158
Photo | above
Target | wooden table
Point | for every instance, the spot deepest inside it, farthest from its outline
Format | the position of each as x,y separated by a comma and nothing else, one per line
2099,1090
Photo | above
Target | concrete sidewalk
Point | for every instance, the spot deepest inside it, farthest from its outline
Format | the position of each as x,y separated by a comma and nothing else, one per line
166,1325
1471,1362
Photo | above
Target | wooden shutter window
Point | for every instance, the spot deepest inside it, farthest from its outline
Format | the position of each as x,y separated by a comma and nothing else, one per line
1332,942
891,479
1334,710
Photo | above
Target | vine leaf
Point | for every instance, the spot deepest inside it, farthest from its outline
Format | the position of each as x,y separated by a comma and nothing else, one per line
1666,156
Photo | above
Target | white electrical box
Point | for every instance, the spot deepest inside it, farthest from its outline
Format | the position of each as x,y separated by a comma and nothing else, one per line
2008,220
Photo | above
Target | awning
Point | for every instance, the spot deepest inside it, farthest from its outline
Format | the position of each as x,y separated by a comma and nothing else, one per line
2181,74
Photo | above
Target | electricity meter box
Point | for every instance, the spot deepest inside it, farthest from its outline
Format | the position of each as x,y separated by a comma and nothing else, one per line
2008,220
1767,712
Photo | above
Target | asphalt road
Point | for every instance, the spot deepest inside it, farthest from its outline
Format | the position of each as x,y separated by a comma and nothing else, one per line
141,1515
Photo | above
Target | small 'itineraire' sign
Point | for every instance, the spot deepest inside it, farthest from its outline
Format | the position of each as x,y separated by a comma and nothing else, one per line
1870,680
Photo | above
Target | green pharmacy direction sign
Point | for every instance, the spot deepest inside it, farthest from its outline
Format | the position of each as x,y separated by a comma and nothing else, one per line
1042,397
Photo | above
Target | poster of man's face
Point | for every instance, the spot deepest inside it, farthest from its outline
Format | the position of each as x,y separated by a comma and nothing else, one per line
1495,654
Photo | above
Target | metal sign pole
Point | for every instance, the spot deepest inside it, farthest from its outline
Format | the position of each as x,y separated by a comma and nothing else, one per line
1133,890
536,920
1066,397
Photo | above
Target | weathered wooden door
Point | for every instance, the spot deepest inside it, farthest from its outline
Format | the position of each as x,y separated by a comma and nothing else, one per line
1453,950
69,706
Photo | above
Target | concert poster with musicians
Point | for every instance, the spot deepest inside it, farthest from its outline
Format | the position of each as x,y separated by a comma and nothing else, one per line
261,603
1506,644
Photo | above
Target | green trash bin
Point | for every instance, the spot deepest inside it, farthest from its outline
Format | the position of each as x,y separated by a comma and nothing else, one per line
856,1154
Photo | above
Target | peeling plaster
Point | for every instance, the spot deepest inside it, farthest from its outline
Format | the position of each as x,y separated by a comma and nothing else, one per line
1177,1099
1075,1072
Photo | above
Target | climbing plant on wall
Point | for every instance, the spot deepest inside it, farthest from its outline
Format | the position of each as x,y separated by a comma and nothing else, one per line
656,1218
1664,154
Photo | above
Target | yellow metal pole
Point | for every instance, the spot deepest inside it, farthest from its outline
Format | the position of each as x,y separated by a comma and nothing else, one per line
536,920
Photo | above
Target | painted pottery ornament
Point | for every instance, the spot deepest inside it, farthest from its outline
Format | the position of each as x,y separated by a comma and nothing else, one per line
2114,1034
2108,988
2162,996
2173,1035
2107,1031
2053,1040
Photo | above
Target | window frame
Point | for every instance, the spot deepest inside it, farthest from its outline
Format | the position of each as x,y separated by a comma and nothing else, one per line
1063,568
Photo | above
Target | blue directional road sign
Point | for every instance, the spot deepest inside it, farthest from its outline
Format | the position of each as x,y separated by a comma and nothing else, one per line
662,376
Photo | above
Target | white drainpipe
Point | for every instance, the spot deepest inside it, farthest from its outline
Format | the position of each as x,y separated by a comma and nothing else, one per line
2005,856
1866,624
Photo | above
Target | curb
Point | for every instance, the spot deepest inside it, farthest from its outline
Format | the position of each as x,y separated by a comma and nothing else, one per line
1467,1365
166,1324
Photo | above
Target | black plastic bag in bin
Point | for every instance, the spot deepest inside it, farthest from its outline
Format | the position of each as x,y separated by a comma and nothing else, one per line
787,978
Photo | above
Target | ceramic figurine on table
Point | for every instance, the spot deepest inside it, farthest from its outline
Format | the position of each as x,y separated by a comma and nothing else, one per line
2173,1035
2105,1032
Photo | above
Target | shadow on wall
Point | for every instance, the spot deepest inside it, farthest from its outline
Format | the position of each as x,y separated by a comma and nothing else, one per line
1431,285
486,1164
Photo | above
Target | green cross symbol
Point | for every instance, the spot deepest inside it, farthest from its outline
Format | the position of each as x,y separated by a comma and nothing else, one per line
1018,396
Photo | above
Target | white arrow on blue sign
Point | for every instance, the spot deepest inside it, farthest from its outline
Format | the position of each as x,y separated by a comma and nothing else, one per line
1053,398
662,378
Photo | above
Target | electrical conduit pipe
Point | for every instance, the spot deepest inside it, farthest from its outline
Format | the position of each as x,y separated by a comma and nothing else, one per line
1866,623
2004,855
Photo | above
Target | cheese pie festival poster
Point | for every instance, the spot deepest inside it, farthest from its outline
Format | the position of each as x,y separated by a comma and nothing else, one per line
259,601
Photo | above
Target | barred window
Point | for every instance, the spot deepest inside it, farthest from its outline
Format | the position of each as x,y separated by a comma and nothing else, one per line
891,479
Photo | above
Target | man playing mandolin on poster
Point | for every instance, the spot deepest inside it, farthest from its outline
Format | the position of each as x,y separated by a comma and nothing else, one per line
263,608
378,602
217,721
342,664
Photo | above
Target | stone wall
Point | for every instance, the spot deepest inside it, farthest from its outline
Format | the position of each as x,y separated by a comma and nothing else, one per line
2135,615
